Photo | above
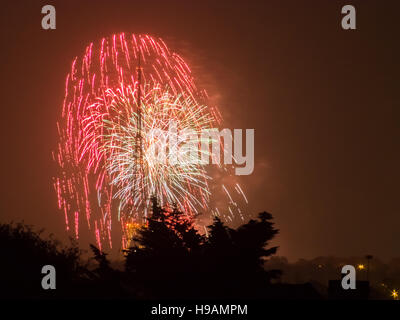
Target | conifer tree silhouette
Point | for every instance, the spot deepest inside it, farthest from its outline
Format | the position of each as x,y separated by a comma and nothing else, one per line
169,258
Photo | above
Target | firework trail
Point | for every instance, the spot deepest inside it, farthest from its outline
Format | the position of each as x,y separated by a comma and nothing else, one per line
117,95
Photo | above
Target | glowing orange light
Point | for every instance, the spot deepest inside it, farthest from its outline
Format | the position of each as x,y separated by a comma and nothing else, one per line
394,294
360,267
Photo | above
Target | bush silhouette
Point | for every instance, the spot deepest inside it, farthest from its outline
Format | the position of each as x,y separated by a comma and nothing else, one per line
23,253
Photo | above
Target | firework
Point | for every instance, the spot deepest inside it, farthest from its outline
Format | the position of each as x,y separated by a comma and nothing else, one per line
117,95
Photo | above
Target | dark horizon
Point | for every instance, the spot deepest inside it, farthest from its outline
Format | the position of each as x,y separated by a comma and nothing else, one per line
322,102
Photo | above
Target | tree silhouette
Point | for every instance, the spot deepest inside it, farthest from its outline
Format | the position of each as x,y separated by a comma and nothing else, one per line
238,257
104,280
23,253
163,253
169,258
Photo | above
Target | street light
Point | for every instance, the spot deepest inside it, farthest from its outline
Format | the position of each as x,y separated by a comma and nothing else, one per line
368,257
360,266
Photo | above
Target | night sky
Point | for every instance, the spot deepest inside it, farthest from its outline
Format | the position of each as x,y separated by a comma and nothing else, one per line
324,103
